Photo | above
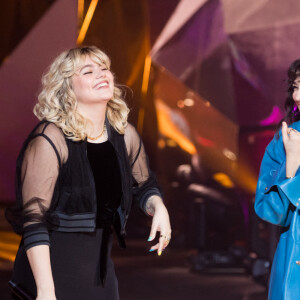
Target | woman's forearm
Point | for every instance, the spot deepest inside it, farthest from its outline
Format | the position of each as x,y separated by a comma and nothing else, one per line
39,260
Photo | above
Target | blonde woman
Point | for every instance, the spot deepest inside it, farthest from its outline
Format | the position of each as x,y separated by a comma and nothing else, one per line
77,174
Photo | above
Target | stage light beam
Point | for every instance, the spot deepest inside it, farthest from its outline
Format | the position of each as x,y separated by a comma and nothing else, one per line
80,13
87,21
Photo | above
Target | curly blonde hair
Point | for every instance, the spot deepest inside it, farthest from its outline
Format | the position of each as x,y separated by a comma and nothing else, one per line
57,101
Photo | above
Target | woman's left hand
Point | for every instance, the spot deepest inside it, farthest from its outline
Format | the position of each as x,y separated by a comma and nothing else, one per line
160,223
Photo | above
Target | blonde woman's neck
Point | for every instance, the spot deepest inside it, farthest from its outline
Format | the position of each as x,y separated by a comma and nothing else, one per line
95,114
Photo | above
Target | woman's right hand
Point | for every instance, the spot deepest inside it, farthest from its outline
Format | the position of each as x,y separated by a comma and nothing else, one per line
291,142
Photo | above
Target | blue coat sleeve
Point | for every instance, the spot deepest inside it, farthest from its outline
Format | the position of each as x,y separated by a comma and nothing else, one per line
273,202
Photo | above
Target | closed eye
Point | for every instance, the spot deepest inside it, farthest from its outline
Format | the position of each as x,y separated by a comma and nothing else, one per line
87,73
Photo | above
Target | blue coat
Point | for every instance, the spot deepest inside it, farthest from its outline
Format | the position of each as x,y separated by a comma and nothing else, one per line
278,201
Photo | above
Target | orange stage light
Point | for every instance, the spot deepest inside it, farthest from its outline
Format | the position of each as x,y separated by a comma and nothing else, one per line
87,21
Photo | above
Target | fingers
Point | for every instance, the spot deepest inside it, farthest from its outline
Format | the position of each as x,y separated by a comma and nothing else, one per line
157,247
164,241
152,232
153,248
292,131
284,132
161,245
288,132
160,223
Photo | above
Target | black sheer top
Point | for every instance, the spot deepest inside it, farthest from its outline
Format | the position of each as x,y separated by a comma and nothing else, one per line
55,187
105,167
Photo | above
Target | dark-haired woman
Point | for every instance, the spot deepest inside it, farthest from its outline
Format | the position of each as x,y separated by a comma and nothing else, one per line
278,194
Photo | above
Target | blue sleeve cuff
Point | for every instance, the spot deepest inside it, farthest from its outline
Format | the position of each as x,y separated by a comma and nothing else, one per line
290,187
277,177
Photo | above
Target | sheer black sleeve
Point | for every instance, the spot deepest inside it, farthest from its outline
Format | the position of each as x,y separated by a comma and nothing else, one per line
38,167
145,184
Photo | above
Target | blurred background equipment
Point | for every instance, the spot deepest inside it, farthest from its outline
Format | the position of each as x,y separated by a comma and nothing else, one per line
208,90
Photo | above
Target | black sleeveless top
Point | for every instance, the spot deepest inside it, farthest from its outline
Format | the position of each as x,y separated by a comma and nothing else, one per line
105,167
107,177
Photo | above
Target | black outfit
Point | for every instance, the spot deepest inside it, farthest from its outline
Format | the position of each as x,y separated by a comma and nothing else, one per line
70,204
106,171
108,183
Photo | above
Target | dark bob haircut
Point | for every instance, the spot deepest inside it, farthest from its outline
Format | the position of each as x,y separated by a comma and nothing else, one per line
292,112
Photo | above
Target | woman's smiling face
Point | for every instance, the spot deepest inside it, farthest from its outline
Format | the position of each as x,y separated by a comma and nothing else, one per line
92,83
